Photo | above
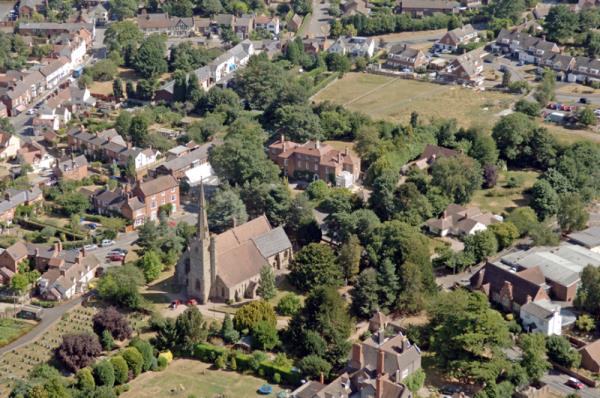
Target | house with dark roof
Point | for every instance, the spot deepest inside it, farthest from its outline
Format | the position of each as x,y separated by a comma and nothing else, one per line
509,287
10,259
154,193
457,37
226,267
466,69
428,157
73,168
315,160
165,24
13,198
377,368
403,58
422,8
461,221
525,47
192,166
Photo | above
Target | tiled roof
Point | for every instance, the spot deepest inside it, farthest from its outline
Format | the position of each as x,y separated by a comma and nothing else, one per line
157,185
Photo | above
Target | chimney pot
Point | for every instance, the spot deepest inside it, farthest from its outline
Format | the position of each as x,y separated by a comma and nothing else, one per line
322,378
380,362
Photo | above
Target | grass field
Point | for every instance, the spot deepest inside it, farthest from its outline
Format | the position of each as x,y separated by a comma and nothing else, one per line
184,377
12,329
502,199
393,99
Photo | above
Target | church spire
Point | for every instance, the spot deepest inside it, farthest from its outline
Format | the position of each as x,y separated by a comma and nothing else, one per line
202,219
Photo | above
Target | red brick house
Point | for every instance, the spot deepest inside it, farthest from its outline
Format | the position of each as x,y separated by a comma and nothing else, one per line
153,194
10,259
315,160
74,168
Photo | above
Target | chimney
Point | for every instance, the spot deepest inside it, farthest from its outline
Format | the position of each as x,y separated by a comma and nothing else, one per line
379,387
128,144
37,252
380,336
357,357
318,144
346,150
380,363
398,376
62,272
528,299
83,251
233,222
322,378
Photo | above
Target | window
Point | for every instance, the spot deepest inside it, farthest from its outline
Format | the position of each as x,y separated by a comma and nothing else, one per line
153,204
198,284
173,190
173,197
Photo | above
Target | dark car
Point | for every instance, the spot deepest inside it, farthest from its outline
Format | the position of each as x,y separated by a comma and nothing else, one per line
574,383
584,100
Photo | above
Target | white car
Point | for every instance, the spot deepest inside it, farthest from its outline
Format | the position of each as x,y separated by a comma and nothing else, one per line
30,111
107,242
90,247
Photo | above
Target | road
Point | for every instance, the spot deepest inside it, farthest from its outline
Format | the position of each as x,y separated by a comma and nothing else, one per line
123,241
5,7
50,316
318,26
557,380
594,99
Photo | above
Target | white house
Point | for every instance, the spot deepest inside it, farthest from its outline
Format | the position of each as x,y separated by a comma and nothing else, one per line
9,145
354,46
270,24
64,282
144,157
541,316
457,220
56,70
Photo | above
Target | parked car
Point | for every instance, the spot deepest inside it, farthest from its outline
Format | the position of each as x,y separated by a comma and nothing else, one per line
90,247
120,251
30,111
91,226
450,390
174,304
115,257
574,383
107,242
584,100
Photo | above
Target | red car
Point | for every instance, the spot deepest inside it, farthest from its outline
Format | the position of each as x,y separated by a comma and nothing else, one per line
191,302
115,257
174,304
576,384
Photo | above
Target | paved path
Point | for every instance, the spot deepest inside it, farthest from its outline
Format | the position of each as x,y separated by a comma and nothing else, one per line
318,26
51,315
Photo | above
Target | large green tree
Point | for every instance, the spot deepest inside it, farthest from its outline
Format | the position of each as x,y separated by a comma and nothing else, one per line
458,177
150,60
315,265
225,210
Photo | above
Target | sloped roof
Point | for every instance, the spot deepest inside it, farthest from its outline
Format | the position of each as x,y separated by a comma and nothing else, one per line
158,184
272,242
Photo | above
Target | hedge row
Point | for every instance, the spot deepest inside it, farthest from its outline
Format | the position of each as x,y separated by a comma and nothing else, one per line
38,225
209,353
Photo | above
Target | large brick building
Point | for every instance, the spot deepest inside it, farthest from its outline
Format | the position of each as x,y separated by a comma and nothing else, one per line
315,160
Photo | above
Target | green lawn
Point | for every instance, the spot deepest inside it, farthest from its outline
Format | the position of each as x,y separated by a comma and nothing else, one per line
502,199
12,329
185,377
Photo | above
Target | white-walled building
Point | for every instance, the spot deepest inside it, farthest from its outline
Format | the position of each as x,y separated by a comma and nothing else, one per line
541,316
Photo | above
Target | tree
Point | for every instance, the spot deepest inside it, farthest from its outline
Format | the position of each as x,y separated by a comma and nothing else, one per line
85,380
411,298
225,210
524,218
19,283
264,335
389,286
247,317
73,202
228,332
505,233
534,359
365,294
544,92
415,380
209,7
266,284
120,368
467,335
560,23
122,9
107,341
588,294
458,177
134,359
510,9
314,265
145,89
561,352
490,176
297,123
138,130
104,373
512,135
338,63
146,350
289,305
79,350
150,59
543,234
151,265
506,76
324,320
191,329
572,215
113,321
120,285
349,257
103,70
6,126
312,366
587,117
529,108
481,245
302,7
411,205
544,199
585,323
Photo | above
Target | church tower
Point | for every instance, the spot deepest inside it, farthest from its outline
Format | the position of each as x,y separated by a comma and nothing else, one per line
202,272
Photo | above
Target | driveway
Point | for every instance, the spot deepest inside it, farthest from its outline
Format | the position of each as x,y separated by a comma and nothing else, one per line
318,26
49,317
557,381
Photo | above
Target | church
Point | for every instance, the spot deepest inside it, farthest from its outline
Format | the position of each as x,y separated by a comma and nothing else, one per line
227,266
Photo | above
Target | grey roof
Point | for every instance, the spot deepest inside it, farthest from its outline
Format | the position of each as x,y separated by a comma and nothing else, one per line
198,155
588,237
179,149
540,309
75,163
16,197
272,242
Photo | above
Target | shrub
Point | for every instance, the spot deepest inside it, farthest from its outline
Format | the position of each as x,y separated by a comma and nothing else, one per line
121,389
85,379
167,355
276,378
233,363
104,392
415,381
134,360
104,373
121,369
146,350
289,305
79,350
313,365
107,341
162,362
561,352
112,320
221,362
